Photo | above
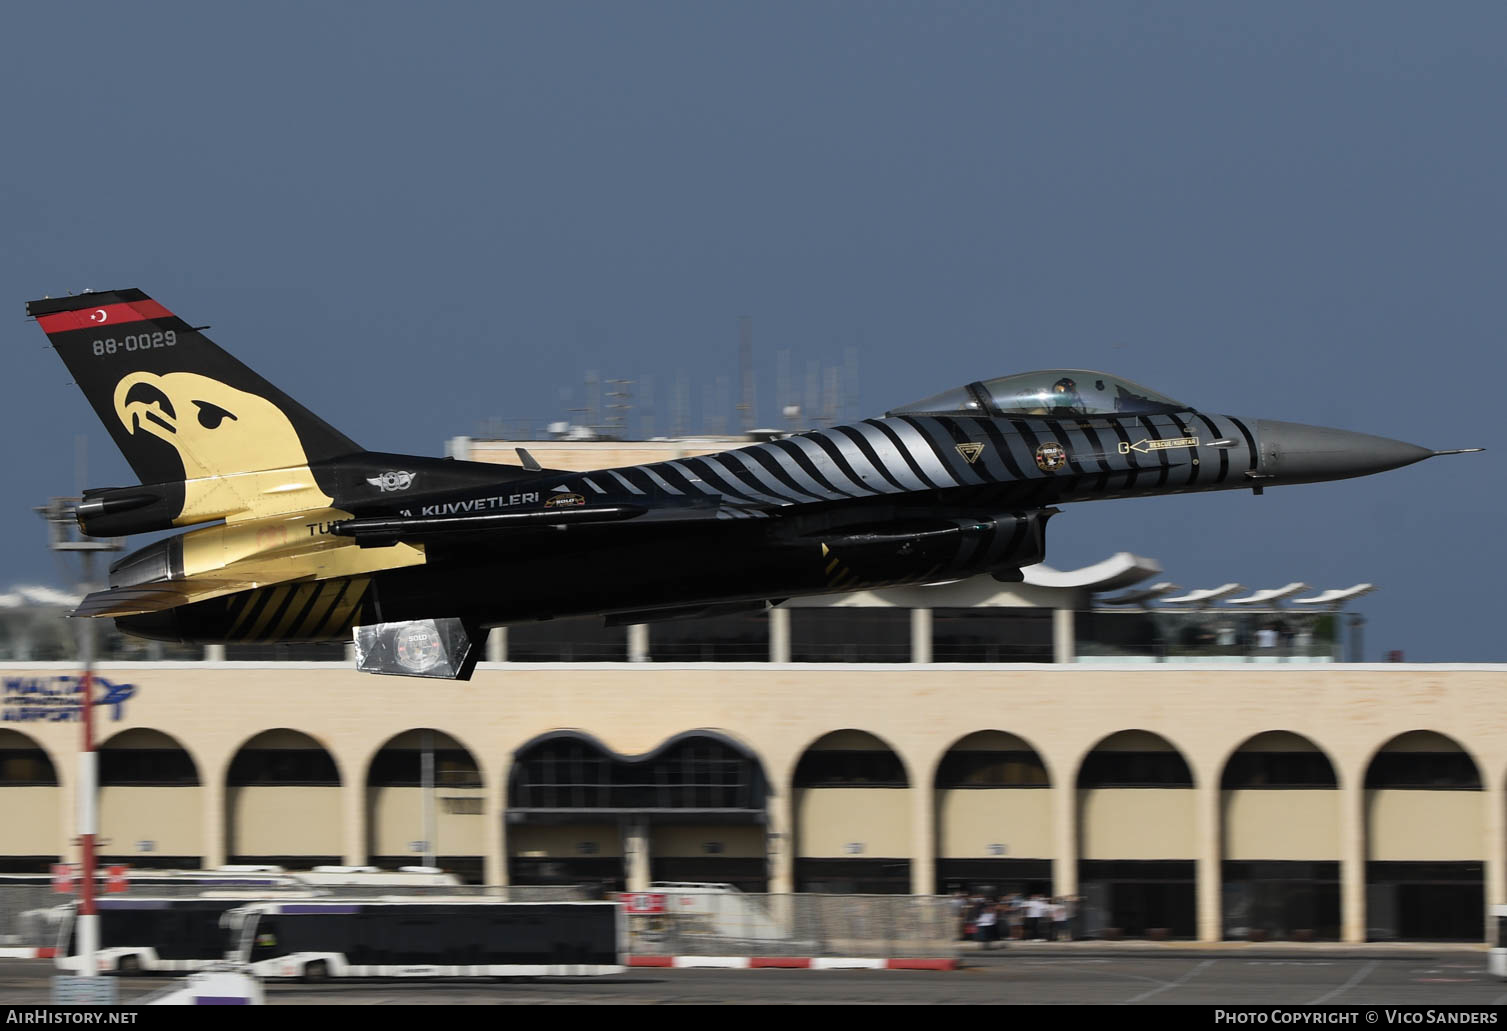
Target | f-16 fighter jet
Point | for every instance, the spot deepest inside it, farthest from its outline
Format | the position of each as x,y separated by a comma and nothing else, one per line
301,535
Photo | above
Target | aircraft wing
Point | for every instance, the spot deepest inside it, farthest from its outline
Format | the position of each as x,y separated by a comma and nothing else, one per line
369,533
169,594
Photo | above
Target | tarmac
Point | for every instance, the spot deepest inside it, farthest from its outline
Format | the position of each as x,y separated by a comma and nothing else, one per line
1098,948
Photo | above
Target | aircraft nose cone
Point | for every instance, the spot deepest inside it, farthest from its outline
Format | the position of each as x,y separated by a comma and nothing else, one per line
1294,453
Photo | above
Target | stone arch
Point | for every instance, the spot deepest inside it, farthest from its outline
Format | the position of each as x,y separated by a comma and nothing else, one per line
400,817
872,769
1425,760
23,760
156,758
1014,762
1285,759
1280,812
851,800
1426,851
287,768
151,802
29,795
994,819
1134,758
1133,883
283,801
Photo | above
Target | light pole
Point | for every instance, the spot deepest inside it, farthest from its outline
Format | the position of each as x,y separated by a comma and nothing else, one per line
63,535
426,777
1357,637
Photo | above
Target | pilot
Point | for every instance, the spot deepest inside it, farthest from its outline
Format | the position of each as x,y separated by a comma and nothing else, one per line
1065,396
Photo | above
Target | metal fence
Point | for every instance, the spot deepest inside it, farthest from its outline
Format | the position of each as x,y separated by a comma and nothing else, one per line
17,924
738,924
684,922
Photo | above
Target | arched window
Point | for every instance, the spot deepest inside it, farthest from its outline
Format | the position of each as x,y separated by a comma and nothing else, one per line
283,758
850,759
694,772
1134,759
145,758
23,763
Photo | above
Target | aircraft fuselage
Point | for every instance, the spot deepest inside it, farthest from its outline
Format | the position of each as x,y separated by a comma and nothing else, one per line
908,499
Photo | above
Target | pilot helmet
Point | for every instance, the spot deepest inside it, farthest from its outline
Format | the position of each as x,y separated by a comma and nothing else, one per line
1065,393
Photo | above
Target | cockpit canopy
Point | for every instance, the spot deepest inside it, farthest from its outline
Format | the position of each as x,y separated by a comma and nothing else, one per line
1059,392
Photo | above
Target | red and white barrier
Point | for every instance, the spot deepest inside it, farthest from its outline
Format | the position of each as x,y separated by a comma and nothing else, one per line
789,963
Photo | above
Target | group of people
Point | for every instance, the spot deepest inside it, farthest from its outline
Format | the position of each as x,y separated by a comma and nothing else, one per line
987,919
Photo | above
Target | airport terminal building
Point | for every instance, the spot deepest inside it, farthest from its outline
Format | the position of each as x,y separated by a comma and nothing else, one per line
1202,770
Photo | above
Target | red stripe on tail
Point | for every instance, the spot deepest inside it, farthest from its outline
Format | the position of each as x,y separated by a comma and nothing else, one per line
103,318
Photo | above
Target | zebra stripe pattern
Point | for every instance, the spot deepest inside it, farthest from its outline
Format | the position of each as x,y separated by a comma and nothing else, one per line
1105,456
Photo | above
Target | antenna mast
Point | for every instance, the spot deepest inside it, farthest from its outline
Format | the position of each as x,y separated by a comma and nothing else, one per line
745,373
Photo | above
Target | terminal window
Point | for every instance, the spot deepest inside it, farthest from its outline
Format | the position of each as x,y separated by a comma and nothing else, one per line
1108,769
850,635
850,768
970,769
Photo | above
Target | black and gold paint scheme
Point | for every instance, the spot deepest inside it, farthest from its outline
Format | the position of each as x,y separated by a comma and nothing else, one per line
313,610
313,535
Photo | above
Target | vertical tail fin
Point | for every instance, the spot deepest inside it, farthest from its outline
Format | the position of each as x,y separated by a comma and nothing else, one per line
177,406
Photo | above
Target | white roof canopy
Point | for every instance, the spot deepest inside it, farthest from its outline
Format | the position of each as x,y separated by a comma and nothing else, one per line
1267,596
1335,597
1119,570
1136,597
1207,594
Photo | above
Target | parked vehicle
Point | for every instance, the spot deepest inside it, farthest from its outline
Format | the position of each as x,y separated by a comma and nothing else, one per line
317,939
150,934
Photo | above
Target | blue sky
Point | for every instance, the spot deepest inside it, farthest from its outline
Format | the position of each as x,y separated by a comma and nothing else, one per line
417,218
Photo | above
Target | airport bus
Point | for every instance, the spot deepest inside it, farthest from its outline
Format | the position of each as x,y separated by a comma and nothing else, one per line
139,935
183,932
318,939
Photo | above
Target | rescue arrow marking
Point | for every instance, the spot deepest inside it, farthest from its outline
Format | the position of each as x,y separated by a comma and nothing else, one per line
1146,446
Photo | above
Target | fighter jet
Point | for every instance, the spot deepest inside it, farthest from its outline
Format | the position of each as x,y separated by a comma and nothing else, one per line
302,536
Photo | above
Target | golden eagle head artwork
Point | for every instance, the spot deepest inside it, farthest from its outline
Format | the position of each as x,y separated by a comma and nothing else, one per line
217,430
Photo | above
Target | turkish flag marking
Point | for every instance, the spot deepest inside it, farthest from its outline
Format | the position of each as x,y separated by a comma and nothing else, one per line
105,317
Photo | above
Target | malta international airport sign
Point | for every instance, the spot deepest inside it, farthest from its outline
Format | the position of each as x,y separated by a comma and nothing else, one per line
58,699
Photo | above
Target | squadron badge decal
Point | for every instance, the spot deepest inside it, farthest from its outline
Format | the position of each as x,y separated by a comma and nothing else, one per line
393,480
970,451
1050,457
